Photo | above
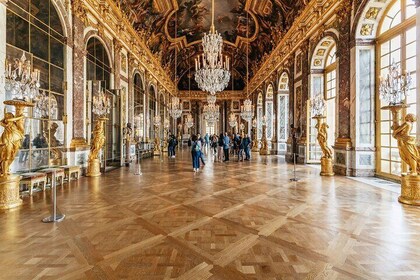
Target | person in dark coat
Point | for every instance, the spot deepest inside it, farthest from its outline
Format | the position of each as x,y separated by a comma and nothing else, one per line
246,142
226,146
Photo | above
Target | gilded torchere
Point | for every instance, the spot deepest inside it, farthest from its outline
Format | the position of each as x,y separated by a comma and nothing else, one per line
10,142
265,149
322,137
100,107
98,141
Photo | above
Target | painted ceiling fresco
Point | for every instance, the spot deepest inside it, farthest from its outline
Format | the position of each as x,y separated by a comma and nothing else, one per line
168,24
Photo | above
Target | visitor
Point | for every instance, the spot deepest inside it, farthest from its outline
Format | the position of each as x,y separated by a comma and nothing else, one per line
206,140
246,142
171,146
214,143
241,149
195,153
175,145
220,148
226,146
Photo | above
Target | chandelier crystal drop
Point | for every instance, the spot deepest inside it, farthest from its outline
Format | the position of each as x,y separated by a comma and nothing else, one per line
212,69
101,104
247,110
20,80
189,121
394,87
175,108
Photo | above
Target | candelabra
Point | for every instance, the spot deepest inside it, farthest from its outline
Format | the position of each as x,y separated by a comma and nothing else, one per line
22,82
393,89
101,106
318,111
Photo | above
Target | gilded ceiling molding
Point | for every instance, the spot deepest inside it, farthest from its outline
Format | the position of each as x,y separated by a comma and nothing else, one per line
116,23
4,2
313,16
80,11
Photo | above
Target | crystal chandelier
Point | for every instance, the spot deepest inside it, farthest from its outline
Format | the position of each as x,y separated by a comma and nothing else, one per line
156,121
175,108
166,124
318,105
212,73
232,120
211,113
101,104
189,121
393,88
247,110
44,106
211,99
20,81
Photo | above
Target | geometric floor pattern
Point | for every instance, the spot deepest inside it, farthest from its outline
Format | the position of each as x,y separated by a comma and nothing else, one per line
236,220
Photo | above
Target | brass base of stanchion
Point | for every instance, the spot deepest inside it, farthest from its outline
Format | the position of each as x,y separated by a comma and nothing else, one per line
410,190
50,219
94,168
326,167
9,192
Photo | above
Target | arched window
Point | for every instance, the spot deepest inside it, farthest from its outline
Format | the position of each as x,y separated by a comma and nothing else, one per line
152,111
34,28
396,42
323,82
269,111
138,107
260,115
283,112
98,72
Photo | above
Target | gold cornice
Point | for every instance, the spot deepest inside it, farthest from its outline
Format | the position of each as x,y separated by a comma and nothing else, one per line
107,12
314,15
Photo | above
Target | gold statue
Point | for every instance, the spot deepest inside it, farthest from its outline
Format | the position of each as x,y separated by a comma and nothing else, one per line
323,139
98,139
407,144
10,140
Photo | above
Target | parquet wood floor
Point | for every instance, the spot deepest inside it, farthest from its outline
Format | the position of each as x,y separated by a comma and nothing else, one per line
232,220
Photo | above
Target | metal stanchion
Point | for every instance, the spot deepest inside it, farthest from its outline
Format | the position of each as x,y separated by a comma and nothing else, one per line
55,217
294,179
137,166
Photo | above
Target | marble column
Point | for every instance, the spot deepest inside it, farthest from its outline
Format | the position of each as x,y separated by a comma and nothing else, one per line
79,56
343,144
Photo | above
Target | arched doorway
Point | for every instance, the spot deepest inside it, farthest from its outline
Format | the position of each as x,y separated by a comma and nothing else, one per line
260,115
323,82
283,113
35,29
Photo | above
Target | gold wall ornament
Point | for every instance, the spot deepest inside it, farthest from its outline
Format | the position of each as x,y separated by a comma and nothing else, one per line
366,29
372,13
10,142
265,149
322,137
97,142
